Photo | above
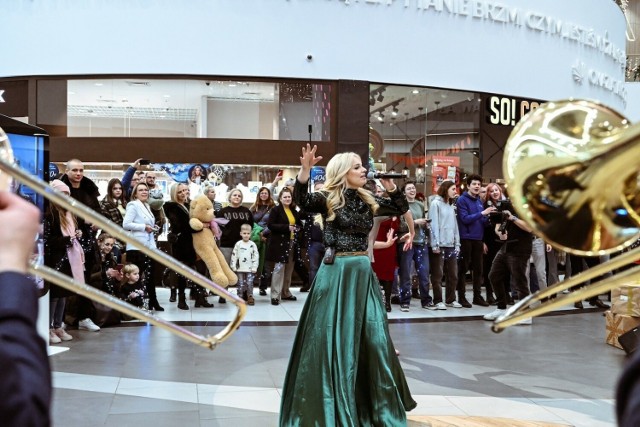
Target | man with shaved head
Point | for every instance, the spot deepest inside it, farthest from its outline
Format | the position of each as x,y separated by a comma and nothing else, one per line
86,192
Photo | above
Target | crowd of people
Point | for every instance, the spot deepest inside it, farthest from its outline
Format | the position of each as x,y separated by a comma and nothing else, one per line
431,246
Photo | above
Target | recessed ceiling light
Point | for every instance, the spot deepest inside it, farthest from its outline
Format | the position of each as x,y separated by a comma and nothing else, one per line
166,96
99,84
232,85
415,91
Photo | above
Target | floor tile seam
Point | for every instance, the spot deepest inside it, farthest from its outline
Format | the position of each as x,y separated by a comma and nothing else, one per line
443,319
519,400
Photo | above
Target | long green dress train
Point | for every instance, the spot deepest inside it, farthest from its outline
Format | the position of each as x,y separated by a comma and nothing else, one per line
343,369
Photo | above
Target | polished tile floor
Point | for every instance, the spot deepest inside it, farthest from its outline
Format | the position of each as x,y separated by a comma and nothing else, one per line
557,370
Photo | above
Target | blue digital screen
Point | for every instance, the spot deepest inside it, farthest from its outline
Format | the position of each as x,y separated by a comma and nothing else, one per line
28,151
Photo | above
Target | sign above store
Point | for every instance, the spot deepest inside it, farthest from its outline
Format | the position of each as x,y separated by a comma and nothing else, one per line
501,14
506,111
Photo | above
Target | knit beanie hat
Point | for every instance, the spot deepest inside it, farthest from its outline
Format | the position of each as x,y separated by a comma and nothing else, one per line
60,186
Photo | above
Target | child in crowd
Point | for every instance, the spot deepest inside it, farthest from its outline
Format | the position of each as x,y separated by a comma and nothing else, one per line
131,289
244,261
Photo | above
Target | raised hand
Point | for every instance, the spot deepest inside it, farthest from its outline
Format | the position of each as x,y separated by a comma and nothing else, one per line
308,158
307,161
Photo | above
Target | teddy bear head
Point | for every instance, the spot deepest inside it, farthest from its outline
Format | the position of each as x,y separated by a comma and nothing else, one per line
156,199
201,208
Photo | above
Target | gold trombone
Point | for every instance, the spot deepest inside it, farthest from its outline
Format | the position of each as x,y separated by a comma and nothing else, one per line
573,171
11,171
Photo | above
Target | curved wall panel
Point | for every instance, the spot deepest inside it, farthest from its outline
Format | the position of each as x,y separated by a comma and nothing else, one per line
530,48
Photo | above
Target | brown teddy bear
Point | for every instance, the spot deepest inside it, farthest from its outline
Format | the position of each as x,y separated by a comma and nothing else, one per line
204,243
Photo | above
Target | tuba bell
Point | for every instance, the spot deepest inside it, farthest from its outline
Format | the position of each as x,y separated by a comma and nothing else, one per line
572,168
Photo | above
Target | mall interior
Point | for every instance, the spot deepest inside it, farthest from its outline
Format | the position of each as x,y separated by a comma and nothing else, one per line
431,89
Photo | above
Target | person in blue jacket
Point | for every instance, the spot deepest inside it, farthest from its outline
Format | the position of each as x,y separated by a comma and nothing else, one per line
472,219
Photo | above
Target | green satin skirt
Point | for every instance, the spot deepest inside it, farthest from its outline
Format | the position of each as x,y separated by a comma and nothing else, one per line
343,369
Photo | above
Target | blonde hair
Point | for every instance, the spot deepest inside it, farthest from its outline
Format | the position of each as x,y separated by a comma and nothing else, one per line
336,183
128,269
134,192
173,191
232,191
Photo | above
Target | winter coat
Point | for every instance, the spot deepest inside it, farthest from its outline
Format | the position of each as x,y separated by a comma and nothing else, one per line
444,225
180,233
471,222
280,239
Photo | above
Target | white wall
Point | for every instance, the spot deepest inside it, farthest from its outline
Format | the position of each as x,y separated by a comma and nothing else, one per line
390,41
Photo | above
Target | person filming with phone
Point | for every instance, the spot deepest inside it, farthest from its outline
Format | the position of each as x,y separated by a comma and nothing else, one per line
512,257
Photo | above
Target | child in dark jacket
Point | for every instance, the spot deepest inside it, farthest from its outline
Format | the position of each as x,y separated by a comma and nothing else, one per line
131,289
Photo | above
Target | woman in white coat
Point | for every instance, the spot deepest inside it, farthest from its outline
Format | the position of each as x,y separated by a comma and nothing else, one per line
139,220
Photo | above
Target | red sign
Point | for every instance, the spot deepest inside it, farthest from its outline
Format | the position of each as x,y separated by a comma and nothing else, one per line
445,168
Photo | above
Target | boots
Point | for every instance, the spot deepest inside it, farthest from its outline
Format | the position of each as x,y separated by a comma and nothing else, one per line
154,304
174,293
201,301
182,301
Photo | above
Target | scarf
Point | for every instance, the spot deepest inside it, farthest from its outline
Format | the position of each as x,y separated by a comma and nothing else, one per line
74,252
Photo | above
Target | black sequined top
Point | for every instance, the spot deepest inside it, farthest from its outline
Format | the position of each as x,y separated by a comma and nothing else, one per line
349,231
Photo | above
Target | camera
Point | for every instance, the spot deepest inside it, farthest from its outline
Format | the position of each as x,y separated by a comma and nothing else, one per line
309,57
500,216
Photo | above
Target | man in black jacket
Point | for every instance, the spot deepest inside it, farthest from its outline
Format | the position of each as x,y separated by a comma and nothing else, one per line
25,382
86,192
510,262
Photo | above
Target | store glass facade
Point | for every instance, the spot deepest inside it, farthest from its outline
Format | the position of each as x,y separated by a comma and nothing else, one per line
223,109
434,133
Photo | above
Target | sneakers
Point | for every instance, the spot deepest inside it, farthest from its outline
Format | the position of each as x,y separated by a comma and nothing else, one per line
53,338
275,301
250,300
429,306
263,292
88,325
62,334
404,307
441,306
527,321
494,314
454,304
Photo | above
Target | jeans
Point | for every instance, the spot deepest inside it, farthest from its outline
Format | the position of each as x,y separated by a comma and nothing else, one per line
471,252
245,283
539,262
56,312
419,255
445,260
281,278
316,252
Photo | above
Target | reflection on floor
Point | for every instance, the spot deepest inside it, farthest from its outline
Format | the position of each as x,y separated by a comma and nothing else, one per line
558,370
